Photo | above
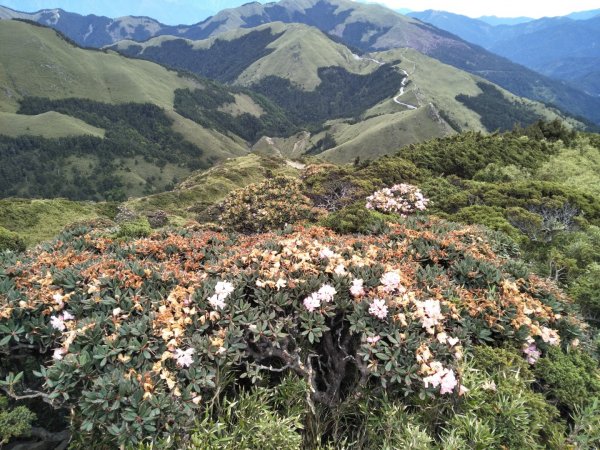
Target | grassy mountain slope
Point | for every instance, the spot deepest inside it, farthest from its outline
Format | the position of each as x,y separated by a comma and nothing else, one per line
366,26
125,135
434,88
40,220
50,124
316,79
202,189
375,28
245,56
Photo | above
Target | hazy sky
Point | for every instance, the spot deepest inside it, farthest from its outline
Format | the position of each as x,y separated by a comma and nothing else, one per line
191,11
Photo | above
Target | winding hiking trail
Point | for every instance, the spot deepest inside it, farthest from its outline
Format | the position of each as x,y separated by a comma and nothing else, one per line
402,85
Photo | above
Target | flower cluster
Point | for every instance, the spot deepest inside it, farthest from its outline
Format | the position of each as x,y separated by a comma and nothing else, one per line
378,309
391,282
324,294
532,353
222,290
403,199
58,322
184,357
430,314
442,377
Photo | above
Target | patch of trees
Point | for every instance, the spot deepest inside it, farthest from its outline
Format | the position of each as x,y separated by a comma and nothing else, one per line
203,107
34,166
224,60
340,93
496,111
465,154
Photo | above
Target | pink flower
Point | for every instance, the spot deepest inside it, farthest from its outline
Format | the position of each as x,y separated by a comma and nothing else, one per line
58,323
378,309
312,302
373,339
391,282
449,382
442,377
326,293
532,353
67,316
184,357
434,380
357,289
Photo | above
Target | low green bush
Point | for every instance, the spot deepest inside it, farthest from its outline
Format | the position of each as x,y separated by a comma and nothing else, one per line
14,422
266,206
356,219
136,229
11,241
570,379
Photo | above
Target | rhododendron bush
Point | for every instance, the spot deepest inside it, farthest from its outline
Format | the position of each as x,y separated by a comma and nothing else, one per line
137,338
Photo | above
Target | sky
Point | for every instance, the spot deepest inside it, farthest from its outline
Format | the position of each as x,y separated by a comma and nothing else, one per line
192,11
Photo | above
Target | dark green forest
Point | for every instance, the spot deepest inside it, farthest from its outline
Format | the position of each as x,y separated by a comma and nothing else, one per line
496,111
34,166
223,61
340,93
202,106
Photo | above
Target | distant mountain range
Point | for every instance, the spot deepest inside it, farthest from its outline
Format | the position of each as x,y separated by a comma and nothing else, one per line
392,98
565,48
366,27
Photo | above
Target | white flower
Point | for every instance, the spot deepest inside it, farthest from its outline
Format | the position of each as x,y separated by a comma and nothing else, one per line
326,293
550,336
281,283
59,353
116,312
327,253
357,288
452,341
217,301
340,270
378,309
391,282
224,288
58,323
67,316
449,382
312,302
58,298
184,357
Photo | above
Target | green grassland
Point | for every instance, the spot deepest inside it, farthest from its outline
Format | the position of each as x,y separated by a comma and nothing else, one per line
50,124
299,53
205,188
56,69
577,167
39,220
